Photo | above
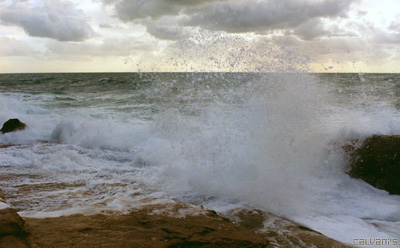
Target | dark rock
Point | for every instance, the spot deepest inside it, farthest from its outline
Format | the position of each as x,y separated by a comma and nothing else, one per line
377,162
11,223
13,125
12,228
11,241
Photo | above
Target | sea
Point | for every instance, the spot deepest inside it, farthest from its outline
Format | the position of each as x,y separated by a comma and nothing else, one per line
107,142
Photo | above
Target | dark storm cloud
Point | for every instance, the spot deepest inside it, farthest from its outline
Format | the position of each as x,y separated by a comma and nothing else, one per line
55,19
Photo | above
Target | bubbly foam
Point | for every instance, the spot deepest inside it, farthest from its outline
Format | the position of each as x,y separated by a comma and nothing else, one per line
267,140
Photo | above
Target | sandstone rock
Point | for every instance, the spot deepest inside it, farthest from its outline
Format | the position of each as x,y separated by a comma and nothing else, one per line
10,223
141,229
11,241
12,125
12,229
377,162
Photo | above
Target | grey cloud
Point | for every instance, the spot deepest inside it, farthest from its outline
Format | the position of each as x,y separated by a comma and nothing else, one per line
311,29
54,19
140,9
107,2
13,47
192,2
389,35
106,25
338,50
164,29
129,10
109,47
384,37
233,16
395,26
361,13
258,16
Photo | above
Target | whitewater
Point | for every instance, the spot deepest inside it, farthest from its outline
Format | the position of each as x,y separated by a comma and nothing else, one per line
104,142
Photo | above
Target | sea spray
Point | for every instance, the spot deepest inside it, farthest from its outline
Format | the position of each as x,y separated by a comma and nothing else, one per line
258,149
222,140
277,150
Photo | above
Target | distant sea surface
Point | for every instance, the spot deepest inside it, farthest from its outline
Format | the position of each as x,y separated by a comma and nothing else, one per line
100,142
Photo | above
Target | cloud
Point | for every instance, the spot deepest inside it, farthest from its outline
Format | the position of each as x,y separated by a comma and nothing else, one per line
55,19
106,25
192,2
232,16
165,29
140,9
386,37
395,26
258,16
108,47
310,30
389,35
13,47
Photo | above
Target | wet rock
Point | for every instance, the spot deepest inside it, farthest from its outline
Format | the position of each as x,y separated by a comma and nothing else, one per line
12,229
377,162
12,125
10,222
12,232
280,231
253,220
141,229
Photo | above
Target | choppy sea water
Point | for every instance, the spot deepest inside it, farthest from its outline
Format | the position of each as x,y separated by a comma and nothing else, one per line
113,142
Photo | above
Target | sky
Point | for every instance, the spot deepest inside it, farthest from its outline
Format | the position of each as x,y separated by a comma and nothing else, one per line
199,35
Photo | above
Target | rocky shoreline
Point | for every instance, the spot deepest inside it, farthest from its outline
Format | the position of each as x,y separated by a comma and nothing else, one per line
161,226
173,225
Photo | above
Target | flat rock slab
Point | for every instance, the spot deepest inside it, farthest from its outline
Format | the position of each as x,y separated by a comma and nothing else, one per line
140,229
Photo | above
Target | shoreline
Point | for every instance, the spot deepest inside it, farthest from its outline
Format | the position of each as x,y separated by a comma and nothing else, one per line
168,226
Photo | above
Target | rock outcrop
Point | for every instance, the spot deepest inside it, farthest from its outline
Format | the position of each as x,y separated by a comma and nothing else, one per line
12,125
12,229
157,226
377,162
141,229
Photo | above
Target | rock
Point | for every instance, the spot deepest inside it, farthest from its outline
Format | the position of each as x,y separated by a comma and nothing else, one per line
377,162
12,230
12,227
13,125
141,229
10,223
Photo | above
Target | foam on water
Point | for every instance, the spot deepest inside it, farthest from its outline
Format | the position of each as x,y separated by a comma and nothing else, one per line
270,145
270,142
278,152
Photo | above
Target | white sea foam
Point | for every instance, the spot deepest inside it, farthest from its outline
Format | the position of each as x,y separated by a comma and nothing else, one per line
270,143
276,153
4,205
